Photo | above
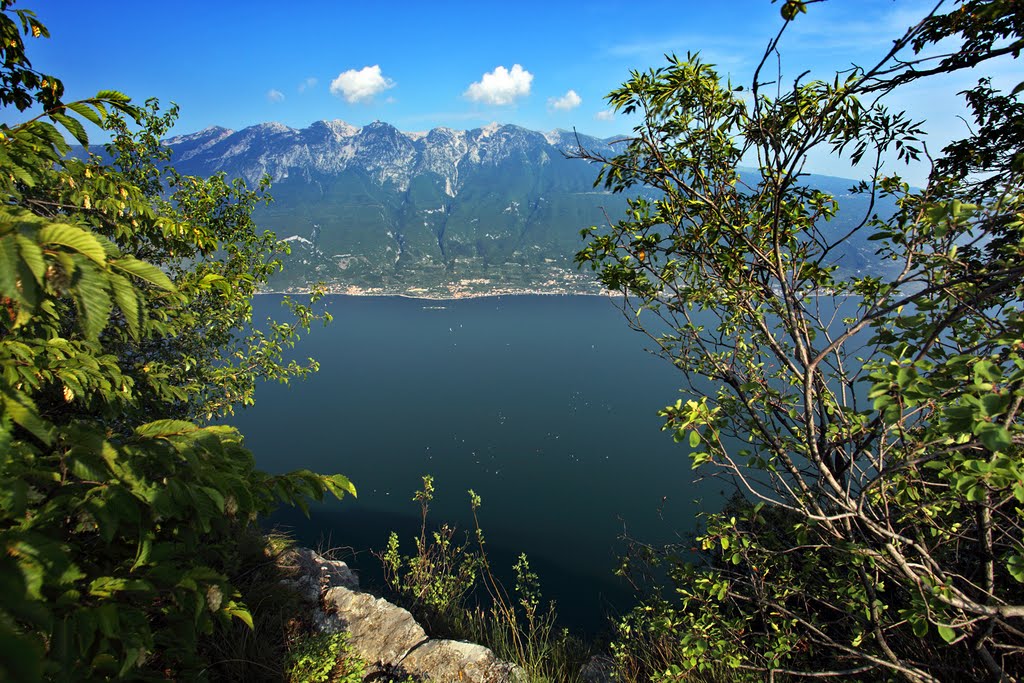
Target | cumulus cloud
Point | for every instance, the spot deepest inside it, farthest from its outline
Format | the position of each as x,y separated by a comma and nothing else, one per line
362,85
275,95
501,86
308,84
569,100
606,115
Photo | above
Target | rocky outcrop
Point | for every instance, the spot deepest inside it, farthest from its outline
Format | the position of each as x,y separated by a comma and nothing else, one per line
381,632
386,636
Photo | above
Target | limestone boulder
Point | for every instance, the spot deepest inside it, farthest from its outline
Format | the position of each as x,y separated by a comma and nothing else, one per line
382,633
452,660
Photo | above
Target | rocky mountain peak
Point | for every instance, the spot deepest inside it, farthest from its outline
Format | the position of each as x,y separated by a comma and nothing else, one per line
336,127
268,128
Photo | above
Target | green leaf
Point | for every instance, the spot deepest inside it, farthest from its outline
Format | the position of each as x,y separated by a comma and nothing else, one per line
904,376
86,112
93,300
339,485
9,262
694,439
1015,565
23,411
165,428
75,238
32,256
73,126
948,634
144,271
142,553
113,96
128,301
241,614
995,437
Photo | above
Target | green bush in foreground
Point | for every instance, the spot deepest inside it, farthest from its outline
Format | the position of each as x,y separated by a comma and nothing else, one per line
450,587
872,422
124,318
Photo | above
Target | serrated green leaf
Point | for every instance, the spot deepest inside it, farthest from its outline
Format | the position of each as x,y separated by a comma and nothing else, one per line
23,411
92,299
9,267
14,498
32,256
75,238
165,428
86,112
22,174
339,485
128,301
73,126
113,96
144,271
54,143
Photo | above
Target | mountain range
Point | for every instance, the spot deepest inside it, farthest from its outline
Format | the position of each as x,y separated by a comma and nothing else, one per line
438,213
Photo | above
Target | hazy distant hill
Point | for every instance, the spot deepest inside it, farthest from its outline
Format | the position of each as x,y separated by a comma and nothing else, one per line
498,206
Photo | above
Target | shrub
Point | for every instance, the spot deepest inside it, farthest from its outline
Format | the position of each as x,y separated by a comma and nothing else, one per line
118,513
872,420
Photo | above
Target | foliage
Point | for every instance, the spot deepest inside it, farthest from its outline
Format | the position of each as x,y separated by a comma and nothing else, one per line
439,579
264,571
872,424
325,657
119,515
201,234
445,583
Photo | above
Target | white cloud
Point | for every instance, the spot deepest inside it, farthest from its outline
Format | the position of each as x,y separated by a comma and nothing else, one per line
362,85
308,84
606,115
501,86
275,96
570,100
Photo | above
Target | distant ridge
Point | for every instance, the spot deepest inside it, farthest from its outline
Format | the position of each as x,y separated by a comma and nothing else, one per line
330,147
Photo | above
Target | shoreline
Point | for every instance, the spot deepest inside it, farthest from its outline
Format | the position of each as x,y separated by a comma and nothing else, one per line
426,296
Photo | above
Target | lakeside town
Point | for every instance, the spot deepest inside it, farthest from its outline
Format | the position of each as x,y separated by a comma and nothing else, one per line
555,282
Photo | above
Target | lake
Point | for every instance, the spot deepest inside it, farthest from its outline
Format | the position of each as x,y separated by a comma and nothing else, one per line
546,406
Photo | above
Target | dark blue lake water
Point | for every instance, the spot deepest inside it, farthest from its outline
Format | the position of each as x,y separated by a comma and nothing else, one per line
545,406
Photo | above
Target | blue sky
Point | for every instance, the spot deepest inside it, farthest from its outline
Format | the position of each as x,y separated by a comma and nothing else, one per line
419,65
